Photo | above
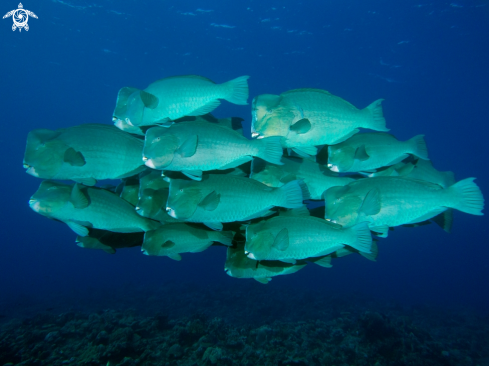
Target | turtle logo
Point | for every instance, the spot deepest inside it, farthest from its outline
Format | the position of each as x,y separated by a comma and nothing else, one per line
20,17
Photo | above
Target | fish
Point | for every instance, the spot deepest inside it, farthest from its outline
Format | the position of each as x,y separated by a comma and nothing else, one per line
174,97
194,147
238,265
109,241
386,202
306,118
316,177
290,238
365,152
226,198
82,208
153,194
84,154
173,239
420,169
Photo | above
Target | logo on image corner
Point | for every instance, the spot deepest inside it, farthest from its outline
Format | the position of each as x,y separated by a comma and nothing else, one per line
20,17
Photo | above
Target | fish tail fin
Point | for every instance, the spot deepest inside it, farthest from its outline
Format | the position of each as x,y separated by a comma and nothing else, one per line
225,237
467,197
376,121
237,90
362,237
292,194
270,149
418,147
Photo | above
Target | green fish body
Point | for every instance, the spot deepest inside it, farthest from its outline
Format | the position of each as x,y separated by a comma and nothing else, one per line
422,170
316,177
84,153
238,265
82,207
290,238
193,147
369,151
392,201
310,117
173,239
175,97
226,198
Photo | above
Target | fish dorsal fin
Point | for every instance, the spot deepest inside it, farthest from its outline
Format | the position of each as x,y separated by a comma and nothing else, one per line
79,196
302,126
371,203
168,244
281,241
189,147
361,153
74,158
188,77
211,201
149,100
307,90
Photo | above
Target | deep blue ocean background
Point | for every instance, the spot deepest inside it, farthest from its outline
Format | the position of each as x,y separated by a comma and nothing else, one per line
429,60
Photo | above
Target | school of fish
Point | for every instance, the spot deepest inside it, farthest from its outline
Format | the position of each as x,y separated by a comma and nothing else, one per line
318,178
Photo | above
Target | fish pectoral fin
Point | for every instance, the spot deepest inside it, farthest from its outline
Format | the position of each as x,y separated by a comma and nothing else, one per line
189,147
175,256
288,260
77,228
371,203
210,202
324,262
281,241
193,174
149,100
305,151
79,196
361,153
214,225
263,280
428,215
168,244
86,181
209,107
302,126
74,158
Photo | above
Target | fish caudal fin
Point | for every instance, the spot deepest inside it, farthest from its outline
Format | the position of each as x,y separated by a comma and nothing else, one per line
270,149
467,197
376,121
418,147
237,90
292,194
362,238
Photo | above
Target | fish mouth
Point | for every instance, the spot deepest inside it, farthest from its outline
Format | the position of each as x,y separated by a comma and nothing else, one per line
32,171
250,256
149,163
144,251
35,205
171,212
145,158
333,168
255,134
26,166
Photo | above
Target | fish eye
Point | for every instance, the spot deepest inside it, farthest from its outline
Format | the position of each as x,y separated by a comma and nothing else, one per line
181,189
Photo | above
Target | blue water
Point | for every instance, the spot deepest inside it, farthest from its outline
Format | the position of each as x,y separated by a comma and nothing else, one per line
428,60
